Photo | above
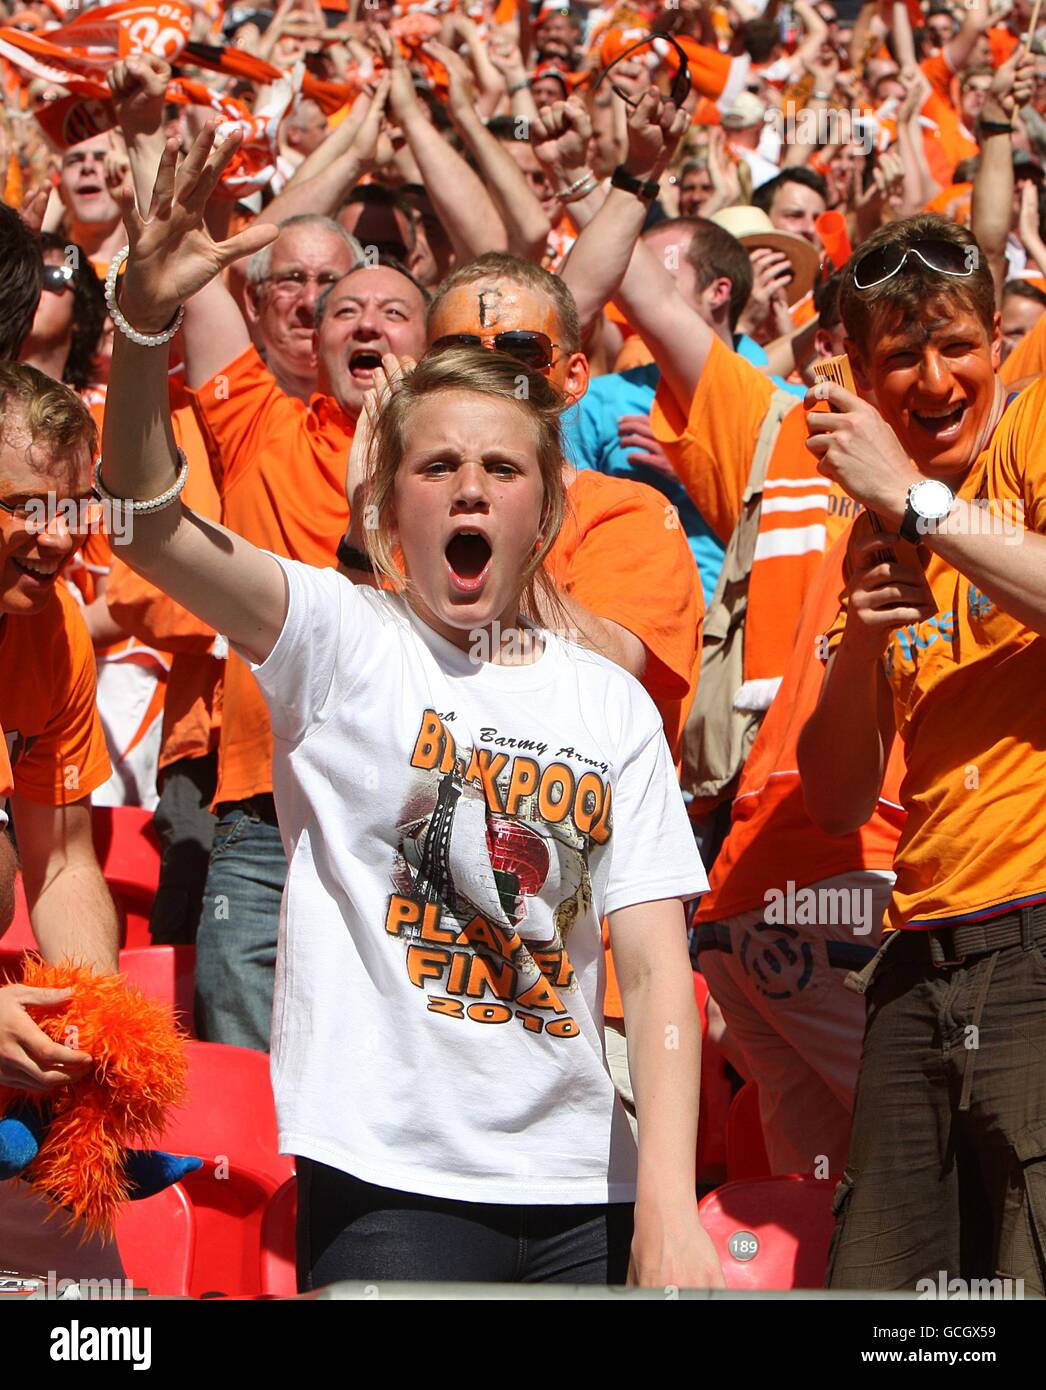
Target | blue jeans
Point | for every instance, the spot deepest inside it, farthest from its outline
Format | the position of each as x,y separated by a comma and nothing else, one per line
239,926
350,1229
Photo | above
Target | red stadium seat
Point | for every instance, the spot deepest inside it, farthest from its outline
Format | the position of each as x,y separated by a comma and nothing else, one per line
129,853
127,846
278,1269
228,1204
701,995
746,1157
161,972
157,1241
230,1112
791,1220
164,972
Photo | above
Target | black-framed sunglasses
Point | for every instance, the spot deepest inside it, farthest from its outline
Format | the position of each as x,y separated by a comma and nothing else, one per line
58,278
681,83
945,257
535,350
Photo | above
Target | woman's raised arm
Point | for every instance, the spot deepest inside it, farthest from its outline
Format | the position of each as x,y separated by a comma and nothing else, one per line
236,588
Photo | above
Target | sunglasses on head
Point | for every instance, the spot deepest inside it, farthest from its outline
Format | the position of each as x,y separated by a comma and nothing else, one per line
681,83
535,350
945,257
58,278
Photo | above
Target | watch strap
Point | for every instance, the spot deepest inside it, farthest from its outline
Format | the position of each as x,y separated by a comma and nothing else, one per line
646,189
909,527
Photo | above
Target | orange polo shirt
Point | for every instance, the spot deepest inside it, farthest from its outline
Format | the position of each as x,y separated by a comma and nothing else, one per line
1028,358
280,469
772,840
53,735
619,555
966,687
711,447
192,700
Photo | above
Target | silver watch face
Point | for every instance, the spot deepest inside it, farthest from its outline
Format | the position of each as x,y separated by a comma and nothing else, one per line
931,499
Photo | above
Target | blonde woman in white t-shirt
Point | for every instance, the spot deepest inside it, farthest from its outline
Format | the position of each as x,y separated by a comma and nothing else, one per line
462,798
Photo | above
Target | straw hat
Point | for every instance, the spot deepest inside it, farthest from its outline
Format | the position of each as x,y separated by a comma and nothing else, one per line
753,229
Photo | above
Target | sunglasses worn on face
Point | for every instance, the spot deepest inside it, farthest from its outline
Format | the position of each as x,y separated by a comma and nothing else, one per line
58,278
535,350
945,257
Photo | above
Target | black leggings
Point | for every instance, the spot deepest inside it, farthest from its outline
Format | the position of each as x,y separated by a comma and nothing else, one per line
349,1229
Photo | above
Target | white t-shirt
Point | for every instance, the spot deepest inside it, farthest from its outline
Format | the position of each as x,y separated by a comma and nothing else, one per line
455,832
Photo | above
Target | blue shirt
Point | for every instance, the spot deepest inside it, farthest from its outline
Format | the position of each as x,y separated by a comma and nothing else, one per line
591,440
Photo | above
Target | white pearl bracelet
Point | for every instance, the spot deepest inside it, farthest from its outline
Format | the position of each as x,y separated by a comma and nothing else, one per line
142,339
154,504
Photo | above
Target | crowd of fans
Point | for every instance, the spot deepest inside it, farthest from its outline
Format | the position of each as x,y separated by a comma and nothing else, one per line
661,217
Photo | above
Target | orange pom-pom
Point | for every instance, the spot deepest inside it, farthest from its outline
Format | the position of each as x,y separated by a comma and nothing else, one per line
140,1069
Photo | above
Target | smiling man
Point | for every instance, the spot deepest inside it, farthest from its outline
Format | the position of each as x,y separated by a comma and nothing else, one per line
941,638
52,734
285,281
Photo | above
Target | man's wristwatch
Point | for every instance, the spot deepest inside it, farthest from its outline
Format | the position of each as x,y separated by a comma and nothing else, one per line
645,189
927,505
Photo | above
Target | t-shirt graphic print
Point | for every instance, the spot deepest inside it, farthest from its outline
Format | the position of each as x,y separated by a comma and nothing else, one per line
491,875
456,830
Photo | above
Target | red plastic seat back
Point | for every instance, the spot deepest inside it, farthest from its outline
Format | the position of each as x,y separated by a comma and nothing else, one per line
278,1244
166,973
230,1113
746,1156
791,1221
127,846
229,1205
157,1240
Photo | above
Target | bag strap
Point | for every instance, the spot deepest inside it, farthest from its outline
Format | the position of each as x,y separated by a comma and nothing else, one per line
740,551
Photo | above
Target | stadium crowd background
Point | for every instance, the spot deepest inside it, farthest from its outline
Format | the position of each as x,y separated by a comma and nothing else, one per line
433,169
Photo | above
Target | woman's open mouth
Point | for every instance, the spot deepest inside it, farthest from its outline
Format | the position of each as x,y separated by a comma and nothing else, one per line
38,572
468,560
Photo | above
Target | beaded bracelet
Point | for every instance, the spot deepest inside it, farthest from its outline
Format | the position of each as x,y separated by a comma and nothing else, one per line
153,504
142,339
565,195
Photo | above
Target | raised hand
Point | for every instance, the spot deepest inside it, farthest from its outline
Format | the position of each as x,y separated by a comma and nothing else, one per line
403,99
138,85
655,127
560,136
459,71
173,255
1011,86
392,370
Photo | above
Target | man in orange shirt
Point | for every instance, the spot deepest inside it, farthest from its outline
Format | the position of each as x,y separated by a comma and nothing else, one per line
92,218
280,464
941,639
53,737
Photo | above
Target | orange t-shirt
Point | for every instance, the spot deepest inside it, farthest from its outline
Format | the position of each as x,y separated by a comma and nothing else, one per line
5,774
614,552
711,449
620,557
1028,358
772,840
280,467
192,700
53,735
951,142
966,687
